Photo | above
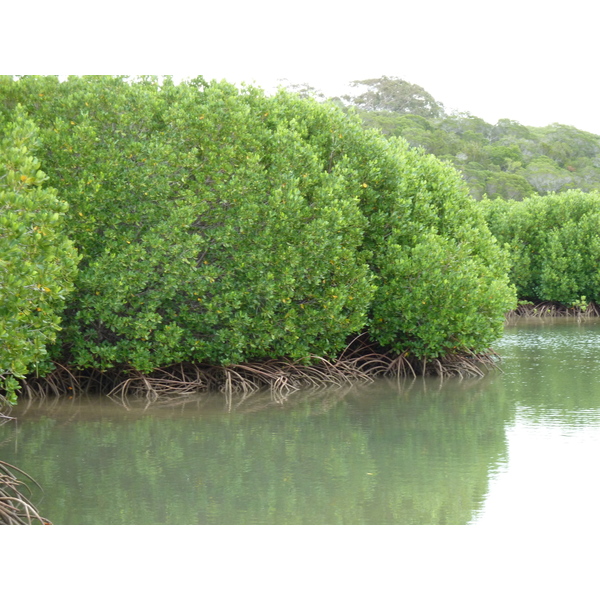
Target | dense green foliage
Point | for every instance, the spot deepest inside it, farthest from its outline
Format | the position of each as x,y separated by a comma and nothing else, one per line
505,160
219,225
209,230
37,261
554,241
441,277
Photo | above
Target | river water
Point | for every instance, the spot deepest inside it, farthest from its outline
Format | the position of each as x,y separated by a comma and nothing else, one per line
517,446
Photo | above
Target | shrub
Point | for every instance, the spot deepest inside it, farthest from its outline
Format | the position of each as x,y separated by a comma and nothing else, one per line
442,282
208,229
220,225
554,244
37,261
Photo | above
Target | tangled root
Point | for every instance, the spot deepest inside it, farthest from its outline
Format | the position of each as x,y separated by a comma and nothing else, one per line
553,309
15,507
360,362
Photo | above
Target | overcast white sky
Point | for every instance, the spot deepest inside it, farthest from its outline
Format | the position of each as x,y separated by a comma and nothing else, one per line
532,61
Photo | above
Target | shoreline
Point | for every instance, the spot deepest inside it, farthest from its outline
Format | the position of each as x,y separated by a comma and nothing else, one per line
553,309
360,362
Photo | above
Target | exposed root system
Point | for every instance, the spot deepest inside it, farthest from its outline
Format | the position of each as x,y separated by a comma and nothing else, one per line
15,506
553,309
361,362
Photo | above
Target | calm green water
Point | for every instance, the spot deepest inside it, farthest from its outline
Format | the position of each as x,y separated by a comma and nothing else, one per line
517,446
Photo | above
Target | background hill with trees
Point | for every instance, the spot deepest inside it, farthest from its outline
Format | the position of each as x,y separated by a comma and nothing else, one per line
503,160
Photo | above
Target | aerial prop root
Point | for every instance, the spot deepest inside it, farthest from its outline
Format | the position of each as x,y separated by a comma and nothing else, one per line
15,506
553,309
283,377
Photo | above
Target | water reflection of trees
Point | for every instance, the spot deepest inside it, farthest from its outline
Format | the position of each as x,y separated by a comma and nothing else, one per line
394,452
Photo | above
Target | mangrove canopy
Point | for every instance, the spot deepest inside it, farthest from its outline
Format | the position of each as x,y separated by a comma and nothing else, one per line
218,225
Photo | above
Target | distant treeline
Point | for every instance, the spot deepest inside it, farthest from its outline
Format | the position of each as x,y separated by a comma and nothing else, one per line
147,224
505,160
